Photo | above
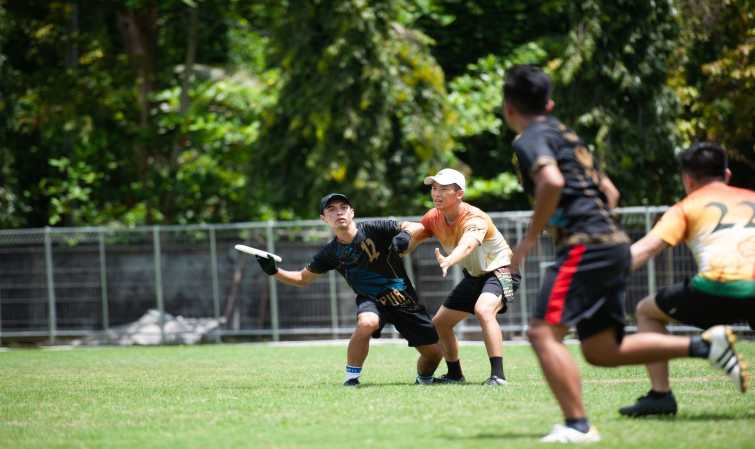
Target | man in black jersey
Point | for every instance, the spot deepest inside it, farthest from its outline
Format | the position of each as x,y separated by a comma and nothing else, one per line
586,285
367,256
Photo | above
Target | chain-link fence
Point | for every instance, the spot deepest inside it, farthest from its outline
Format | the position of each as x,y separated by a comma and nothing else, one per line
64,282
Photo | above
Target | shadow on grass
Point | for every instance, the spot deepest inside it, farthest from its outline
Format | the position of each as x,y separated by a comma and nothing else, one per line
495,436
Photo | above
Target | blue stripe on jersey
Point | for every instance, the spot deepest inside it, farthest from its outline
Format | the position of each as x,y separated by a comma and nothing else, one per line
372,284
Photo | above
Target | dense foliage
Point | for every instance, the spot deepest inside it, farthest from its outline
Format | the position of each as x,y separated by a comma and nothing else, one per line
127,112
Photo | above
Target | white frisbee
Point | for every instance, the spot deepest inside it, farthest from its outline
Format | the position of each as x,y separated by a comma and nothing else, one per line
257,252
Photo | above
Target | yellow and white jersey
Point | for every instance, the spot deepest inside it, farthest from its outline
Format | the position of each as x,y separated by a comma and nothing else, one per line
717,222
493,251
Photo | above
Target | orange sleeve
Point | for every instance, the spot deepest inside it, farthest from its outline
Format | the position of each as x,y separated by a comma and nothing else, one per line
672,227
428,222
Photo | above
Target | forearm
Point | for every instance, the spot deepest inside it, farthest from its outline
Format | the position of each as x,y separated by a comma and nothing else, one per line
646,248
295,278
466,245
546,201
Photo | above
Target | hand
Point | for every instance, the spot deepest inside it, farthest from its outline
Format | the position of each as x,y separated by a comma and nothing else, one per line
267,264
443,261
520,254
400,242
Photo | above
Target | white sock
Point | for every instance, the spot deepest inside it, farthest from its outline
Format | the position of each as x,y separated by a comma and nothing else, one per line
353,372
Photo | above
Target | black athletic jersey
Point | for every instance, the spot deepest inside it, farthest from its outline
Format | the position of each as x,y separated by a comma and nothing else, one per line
582,215
368,266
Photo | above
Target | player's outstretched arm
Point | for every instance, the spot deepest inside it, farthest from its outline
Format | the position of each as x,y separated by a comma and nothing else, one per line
645,248
417,232
296,278
466,245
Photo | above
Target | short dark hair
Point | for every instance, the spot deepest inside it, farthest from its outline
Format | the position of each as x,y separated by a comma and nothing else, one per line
528,88
704,160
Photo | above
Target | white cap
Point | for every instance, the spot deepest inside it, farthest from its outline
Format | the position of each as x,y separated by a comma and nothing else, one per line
446,177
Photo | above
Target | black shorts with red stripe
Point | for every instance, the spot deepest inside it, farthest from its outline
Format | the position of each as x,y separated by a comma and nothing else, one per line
585,288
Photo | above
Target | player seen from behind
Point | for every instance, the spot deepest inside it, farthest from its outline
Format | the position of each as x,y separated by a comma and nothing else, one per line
585,287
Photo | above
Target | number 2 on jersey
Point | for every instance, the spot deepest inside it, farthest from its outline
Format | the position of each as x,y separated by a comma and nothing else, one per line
368,246
724,210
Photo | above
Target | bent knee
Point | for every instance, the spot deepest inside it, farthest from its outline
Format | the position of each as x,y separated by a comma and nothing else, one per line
603,360
369,323
486,312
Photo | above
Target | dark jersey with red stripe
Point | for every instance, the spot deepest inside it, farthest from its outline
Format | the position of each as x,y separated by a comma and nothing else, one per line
582,215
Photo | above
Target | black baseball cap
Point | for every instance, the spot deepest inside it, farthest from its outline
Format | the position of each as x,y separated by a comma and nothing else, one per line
327,199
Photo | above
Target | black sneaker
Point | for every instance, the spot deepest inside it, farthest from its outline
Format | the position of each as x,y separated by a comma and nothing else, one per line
651,405
351,383
444,379
495,381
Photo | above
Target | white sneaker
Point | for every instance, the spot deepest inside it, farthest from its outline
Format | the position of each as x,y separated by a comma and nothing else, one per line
563,434
722,355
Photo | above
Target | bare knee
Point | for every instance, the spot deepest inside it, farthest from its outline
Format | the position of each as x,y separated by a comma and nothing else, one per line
537,335
485,312
367,324
442,325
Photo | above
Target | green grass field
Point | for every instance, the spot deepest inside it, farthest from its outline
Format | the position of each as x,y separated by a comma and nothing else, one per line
261,396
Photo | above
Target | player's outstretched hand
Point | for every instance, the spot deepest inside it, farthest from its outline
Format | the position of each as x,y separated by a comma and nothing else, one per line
400,242
267,264
443,261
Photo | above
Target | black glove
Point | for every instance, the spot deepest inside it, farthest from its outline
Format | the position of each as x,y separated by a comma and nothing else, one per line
400,242
267,264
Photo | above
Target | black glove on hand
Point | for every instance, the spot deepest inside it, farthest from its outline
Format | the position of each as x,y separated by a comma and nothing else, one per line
400,242
267,264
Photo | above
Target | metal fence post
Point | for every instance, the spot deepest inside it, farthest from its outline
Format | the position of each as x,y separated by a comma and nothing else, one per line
158,280
333,302
51,312
274,321
103,282
215,282
523,281
651,261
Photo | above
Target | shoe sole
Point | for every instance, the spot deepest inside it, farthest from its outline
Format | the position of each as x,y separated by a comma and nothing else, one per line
642,414
744,375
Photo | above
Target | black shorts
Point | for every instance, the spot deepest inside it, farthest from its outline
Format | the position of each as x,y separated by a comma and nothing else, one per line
585,287
689,306
500,282
413,323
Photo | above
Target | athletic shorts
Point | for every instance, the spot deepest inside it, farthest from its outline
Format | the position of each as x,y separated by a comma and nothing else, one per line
585,288
413,323
689,306
501,282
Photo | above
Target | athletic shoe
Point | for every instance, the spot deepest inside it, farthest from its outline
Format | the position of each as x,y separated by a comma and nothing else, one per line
425,380
722,355
444,379
651,405
563,434
495,381
351,382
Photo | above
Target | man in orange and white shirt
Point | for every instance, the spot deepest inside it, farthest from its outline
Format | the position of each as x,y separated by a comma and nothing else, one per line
717,222
469,238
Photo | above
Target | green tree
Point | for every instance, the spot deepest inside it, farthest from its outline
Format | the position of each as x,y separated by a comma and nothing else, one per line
362,109
715,79
611,87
